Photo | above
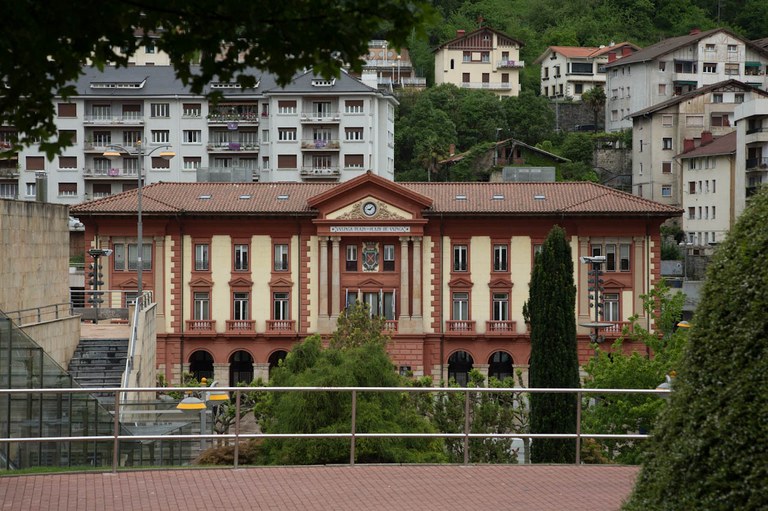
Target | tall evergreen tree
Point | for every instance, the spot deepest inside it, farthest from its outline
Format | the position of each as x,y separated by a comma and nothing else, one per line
554,360
709,450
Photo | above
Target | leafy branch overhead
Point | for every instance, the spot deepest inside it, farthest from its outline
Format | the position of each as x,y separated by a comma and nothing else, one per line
46,44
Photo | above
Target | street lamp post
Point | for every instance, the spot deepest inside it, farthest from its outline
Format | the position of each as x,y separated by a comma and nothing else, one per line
113,155
194,403
594,271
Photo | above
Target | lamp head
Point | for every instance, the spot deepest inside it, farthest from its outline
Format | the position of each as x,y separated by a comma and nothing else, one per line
167,155
112,155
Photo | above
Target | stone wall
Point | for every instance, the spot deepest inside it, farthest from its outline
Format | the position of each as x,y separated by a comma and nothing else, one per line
614,166
34,250
569,115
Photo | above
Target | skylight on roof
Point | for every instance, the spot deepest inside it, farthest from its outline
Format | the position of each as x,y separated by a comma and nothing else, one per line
225,85
205,197
323,83
282,197
461,197
118,85
539,197
498,196
246,196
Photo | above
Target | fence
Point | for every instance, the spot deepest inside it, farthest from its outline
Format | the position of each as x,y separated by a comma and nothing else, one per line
116,437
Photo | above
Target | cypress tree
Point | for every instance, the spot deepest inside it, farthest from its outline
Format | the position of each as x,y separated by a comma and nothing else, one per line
709,449
554,360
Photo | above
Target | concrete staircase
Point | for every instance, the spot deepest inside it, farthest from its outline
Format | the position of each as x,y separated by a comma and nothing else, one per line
99,363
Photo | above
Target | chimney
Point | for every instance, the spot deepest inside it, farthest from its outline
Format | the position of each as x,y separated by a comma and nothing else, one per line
688,145
452,150
612,57
460,33
706,137
626,51
695,31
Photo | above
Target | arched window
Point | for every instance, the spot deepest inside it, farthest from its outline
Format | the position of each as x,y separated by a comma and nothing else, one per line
201,365
275,359
500,366
240,368
459,366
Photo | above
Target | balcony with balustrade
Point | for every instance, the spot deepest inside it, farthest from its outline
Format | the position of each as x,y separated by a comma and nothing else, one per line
320,173
510,64
756,165
241,327
487,85
281,327
132,119
232,117
229,147
112,173
460,327
200,327
500,328
320,145
325,117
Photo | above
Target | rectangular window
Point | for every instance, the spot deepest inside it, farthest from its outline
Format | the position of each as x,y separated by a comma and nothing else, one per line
666,191
624,256
280,302
190,137
286,134
67,109
351,258
202,257
710,67
460,310
146,257
500,261
202,306
281,257
161,136
192,162
240,307
353,106
459,258
31,190
286,107
286,161
35,163
354,161
67,189
500,307
714,210
691,213
131,137
610,257
666,144
732,69
67,162
191,110
160,163
666,167
662,89
717,98
611,307
692,187
159,110
353,134
389,258
241,257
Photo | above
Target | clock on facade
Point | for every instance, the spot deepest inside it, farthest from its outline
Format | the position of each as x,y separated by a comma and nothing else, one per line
370,208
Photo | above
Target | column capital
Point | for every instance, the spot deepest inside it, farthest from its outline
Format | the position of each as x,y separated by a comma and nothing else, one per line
405,239
323,239
335,239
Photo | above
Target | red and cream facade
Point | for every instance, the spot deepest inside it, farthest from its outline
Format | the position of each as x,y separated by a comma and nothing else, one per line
241,272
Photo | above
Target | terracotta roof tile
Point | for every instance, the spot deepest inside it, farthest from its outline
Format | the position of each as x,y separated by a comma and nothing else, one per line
577,198
720,145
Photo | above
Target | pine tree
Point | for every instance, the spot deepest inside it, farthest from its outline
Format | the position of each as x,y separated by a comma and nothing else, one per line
709,450
554,360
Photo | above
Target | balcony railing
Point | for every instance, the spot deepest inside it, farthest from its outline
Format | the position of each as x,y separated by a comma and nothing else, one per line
487,85
509,64
320,116
201,326
331,144
233,146
281,326
500,327
461,327
757,164
134,119
324,172
114,172
617,327
390,325
241,326
759,129
227,117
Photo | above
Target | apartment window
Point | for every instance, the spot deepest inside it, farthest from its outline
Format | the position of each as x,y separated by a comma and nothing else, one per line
265,162
500,306
286,161
691,213
460,310
466,56
191,110
738,98
131,137
286,107
709,47
666,144
202,305
67,109
624,249
717,98
354,161
159,110
67,189
610,257
9,190
662,66
611,307
149,48
464,77
281,257
31,189
714,186
286,134
241,257
614,115
485,56
666,191
191,137
353,134
389,258
459,258
692,187
666,167
161,136
67,162
280,306
353,106
192,162
202,257
500,261
714,210
351,258
732,69
732,48
667,120
160,163
662,89
119,257
35,163
709,67
240,306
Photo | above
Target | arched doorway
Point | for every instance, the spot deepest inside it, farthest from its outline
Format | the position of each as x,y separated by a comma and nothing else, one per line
240,368
500,366
275,359
201,365
459,366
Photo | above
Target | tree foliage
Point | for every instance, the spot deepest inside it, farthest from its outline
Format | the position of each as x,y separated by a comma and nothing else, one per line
46,44
554,361
709,449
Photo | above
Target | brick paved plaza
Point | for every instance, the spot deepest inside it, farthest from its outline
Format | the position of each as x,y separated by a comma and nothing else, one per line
362,487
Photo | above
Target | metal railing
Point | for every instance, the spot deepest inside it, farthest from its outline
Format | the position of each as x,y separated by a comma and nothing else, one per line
116,437
23,317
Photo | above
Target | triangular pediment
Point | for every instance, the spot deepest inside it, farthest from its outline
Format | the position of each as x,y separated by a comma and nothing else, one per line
201,282
370,283
240,282
500,282
280,282
460,282
131,283
613,284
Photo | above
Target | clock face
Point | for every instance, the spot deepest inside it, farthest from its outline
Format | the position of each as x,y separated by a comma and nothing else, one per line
369,208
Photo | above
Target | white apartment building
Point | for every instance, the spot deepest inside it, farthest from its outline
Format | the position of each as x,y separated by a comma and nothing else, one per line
389,68
752,144
570,71
676,66
678,125
312,129
482,59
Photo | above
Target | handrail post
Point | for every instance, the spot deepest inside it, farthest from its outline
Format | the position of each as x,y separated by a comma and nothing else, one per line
237,428
466,427
354,426
578,427
116,445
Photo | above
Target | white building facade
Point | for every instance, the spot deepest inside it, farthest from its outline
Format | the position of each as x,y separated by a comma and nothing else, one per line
752,145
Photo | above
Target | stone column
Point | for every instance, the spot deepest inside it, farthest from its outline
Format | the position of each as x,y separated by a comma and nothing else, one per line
221,374
582,282
483,369
641,269
404,311
417,277
323,309
335,278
